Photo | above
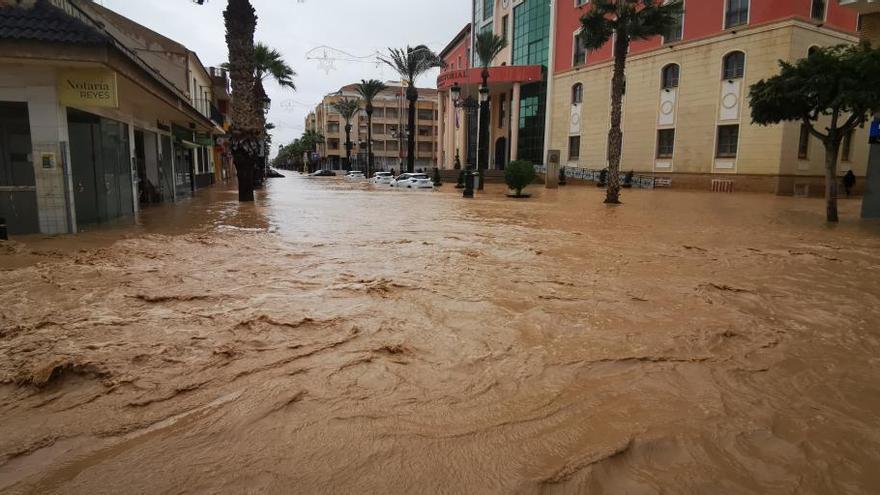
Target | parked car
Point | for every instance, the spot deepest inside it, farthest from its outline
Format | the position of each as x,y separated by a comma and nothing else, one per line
413,181
355,175
323,173
382,178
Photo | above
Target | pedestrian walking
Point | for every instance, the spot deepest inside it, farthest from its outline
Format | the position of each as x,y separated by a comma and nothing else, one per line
849,181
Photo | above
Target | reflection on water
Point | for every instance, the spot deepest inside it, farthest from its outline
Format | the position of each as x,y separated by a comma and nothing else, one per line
334,337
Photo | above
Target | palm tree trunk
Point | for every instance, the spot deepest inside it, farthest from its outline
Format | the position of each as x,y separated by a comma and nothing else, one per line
348,146
412,95
832,150
241,22
615,135
369,139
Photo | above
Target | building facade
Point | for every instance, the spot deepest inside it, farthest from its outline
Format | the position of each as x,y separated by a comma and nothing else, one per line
389,129
686,116
517,86
89,130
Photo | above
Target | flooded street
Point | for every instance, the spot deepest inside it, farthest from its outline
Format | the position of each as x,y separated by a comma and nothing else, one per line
335,339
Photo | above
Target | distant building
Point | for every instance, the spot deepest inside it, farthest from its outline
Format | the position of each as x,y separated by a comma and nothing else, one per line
686,111
389,129
98,116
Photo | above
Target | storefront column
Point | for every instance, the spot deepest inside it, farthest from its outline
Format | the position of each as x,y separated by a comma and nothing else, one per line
514,123
441,147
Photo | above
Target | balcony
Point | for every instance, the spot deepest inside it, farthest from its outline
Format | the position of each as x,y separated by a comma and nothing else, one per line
862,6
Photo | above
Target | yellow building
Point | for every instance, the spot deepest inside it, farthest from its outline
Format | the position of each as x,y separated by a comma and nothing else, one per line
389,129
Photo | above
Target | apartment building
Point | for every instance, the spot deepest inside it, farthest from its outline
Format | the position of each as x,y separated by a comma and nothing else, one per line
389,129
686,113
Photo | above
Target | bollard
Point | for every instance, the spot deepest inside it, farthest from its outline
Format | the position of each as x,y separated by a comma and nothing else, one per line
468,185
4,236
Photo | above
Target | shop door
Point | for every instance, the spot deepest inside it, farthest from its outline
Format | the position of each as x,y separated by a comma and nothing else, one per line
100,154
18,192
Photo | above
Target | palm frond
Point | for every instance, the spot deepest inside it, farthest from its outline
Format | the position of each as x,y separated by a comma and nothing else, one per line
488,45
347,107
369,90
411,62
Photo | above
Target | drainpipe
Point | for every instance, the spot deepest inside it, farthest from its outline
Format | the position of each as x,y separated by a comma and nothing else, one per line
551,62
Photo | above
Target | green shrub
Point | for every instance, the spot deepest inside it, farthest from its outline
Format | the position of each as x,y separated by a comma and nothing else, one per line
518,175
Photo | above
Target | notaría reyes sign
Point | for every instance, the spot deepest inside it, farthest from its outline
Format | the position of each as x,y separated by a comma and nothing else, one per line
88,88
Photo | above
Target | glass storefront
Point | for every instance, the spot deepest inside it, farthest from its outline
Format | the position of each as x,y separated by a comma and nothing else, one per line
531,46
531,122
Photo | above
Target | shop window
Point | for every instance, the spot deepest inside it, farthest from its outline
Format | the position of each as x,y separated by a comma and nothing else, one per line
734,65
502,110
670,76
728,141
665,143
804,142
736,13
574,148
577,94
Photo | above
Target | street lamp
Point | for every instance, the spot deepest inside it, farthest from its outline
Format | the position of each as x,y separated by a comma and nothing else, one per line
456,93
484,94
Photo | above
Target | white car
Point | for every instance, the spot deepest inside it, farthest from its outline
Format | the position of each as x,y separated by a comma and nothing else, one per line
382,178
355,175
413,181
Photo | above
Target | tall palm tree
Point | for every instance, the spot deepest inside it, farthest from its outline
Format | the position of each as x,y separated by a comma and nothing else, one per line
410,63
488,45
623,21
248,129
348,108
369,90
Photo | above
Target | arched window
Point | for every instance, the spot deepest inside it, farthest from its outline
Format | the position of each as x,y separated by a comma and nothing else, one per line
734,65
818,9
812,50
577,94
669,76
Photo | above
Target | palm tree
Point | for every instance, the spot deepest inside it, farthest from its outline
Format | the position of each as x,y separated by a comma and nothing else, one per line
410,63
369,90
488,45
623,21
268,63
247,131
348,108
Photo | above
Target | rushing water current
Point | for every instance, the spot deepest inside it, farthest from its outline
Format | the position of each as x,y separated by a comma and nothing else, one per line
333,338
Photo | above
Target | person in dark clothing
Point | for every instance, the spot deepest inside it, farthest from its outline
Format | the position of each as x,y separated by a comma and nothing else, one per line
849,181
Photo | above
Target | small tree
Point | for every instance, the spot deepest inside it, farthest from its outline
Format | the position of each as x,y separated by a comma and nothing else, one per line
519,174
839,85
623,21
436,179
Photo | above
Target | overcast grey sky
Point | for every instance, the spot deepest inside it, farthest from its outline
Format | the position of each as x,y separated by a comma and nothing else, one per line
358,27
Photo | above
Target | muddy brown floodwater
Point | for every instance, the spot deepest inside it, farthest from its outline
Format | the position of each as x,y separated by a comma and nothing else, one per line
334,339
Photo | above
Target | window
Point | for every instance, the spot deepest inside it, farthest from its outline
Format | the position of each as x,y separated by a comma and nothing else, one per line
391,113
580,51
574,148
505,31
665,143
734,65
804,142
736,13
847,146
813,49
817,12
728,141
577,94
669,77
531,33
578,3
333,127
378,129
424,130
426,114
676,30
502,110
488,9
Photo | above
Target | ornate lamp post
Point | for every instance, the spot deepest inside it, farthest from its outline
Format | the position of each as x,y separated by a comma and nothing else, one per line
470,105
